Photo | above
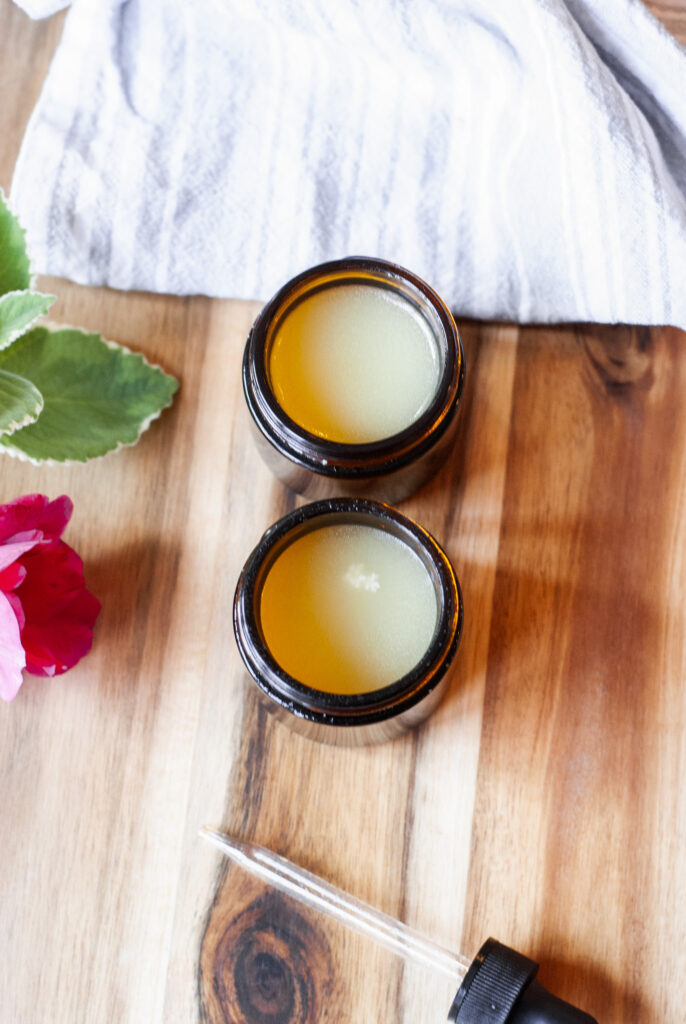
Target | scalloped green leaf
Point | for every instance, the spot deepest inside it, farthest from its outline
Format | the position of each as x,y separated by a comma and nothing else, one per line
18,310
20,402
98,396
15,272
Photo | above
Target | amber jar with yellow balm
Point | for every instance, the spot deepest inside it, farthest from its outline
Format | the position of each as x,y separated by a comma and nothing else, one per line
347,616
353,374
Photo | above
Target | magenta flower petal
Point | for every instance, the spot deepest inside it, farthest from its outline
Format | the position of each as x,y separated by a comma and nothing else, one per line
46,612
12,576
60,612
35,512
12,659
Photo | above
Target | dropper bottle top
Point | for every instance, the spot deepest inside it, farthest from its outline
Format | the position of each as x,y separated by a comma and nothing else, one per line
497,987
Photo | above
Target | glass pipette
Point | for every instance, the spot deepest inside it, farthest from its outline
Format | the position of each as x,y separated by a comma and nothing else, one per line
497,987
322,896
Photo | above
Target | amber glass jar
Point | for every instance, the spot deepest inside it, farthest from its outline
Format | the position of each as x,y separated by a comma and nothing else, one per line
352,718
392,467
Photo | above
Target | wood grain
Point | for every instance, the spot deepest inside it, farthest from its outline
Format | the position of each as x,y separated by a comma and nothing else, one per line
579,765
544,801
672,16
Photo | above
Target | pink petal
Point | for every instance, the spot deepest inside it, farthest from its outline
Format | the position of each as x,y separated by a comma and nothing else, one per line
12,658
11,552
15,604
35,512
60,612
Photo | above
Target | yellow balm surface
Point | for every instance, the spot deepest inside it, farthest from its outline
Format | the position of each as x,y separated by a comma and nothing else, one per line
348,609
354,363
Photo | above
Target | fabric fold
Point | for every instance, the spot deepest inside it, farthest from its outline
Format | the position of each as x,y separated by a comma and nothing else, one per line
528,160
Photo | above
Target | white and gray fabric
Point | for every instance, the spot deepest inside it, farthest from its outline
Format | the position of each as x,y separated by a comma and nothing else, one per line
527,159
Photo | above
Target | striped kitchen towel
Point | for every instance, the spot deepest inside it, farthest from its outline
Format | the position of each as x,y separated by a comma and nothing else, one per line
528,159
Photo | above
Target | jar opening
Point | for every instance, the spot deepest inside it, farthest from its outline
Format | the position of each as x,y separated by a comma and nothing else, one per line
267,377
355,358
347,608
442,610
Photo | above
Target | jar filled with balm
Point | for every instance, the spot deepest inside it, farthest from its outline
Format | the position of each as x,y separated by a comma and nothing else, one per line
353,375
348,616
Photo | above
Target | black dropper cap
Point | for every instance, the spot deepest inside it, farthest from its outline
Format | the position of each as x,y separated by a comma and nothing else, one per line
499,988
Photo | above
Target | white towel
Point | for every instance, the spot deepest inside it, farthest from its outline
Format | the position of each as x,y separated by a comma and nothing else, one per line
526,158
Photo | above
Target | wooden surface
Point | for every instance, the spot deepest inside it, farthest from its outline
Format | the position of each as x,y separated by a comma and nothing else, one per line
544,803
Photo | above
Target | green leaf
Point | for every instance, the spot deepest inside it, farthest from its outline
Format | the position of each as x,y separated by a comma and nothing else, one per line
98,395
18,310
20,402
15,274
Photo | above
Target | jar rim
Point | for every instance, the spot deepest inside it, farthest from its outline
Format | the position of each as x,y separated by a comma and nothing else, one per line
358,708
364,459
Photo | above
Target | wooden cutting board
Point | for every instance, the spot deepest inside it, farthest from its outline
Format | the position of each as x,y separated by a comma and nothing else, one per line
544,803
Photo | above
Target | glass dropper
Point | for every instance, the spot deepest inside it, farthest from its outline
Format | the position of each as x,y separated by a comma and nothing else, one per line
497,986
314,892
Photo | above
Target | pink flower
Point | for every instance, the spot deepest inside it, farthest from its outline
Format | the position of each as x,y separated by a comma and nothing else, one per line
46,613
